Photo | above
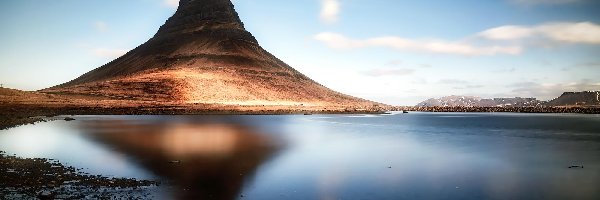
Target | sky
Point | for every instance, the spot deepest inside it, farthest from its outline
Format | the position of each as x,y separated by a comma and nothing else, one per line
398,52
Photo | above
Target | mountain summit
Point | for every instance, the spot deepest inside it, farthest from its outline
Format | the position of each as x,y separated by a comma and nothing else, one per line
203,54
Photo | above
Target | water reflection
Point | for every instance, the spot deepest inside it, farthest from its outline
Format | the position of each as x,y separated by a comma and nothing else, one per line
412,156
198,160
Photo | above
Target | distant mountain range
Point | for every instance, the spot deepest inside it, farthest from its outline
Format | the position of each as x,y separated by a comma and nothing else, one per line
586,98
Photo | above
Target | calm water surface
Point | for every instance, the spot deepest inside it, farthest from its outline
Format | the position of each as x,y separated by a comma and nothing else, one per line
398,156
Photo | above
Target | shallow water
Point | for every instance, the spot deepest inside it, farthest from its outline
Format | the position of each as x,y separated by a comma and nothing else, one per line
398,156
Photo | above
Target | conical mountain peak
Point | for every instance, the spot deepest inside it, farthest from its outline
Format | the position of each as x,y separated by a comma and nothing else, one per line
203,54
196,16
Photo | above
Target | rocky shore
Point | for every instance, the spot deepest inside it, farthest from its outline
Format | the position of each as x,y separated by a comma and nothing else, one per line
27,178
12,115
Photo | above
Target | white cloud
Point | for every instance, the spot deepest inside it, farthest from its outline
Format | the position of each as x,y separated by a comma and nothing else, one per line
558,32
389,72
584,32
453,82
394,62
580,32
339,41
172,3
101,26
330,10
546,2
109,53
507,33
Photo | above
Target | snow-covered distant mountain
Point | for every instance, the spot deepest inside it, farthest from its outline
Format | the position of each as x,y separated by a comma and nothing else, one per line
473,101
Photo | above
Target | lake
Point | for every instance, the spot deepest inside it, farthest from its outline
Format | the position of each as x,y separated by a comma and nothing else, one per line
396,156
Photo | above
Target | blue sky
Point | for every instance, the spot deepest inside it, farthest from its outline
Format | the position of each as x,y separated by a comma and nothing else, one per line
393,51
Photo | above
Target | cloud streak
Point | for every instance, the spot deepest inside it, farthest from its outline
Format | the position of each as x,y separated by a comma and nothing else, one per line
453,82
339,41
566,32
389,72
109,53
330,10
485,43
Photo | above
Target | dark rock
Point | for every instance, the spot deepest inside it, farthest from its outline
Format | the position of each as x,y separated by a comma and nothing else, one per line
39,178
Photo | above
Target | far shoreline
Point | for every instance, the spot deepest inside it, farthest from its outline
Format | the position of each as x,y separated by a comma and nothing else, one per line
20,107
539,109
14,115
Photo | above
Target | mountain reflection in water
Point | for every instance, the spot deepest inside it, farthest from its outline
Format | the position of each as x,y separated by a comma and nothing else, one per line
398,156
199,159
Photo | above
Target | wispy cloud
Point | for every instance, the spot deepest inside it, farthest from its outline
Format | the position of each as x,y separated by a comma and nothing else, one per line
394,63
506,70
172,3
101,26
468,87
453,81
330,10
485,43
339,41
109,53
569,32
389,72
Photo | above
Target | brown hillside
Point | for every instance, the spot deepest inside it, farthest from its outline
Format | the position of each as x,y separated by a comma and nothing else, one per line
203,54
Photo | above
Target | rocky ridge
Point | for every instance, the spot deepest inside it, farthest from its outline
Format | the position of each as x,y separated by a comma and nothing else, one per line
472,101
585,98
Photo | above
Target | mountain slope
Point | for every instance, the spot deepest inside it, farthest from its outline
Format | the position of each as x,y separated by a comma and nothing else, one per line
203,54
588,98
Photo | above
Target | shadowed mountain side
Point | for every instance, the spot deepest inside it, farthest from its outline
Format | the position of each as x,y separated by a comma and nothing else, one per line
585,98
199,160
203,54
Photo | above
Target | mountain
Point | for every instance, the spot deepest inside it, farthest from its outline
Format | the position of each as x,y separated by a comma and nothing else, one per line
517,102
472,101
203,54
586,98
451,101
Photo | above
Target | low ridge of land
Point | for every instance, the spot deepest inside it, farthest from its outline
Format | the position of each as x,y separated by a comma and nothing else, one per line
22,107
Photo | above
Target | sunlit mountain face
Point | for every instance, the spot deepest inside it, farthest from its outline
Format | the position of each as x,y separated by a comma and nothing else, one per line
203,54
